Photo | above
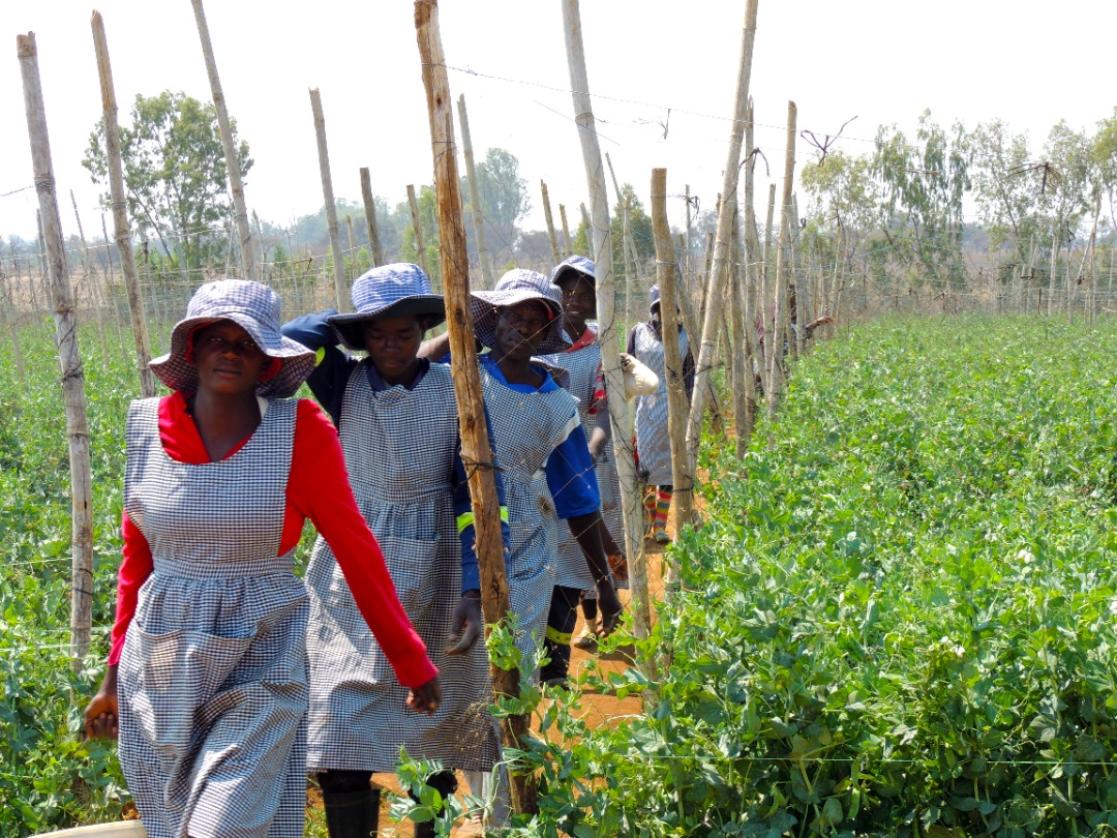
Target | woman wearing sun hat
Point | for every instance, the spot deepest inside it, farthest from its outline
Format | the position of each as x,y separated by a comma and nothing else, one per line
576,278
397,419
653,445
207,672
542,450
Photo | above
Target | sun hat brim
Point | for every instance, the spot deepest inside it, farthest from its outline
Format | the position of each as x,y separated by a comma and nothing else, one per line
485,307
348,327
174,370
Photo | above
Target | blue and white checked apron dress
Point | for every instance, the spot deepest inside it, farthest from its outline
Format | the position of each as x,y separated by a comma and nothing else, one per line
212,679
652,442
581,366
400,447
527,427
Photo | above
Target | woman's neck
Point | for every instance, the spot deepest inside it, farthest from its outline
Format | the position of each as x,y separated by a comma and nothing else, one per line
223,420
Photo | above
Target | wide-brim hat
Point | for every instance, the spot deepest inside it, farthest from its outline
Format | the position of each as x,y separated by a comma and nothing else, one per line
519,286
653,299
395,290
256,309
574,266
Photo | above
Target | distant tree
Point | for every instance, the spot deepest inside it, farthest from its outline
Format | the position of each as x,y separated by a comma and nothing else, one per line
639,228
924,180
504,197
1007,198
174,173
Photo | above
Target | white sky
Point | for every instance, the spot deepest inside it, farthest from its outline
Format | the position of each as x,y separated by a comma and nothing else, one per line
882,60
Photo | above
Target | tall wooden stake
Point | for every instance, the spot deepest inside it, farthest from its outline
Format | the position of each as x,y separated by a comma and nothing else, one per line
681,474
121,227
783,253
341,292
69,356
721,249
370,218
417,228
631,502
228,142
566,240
467,379
551,237
483,255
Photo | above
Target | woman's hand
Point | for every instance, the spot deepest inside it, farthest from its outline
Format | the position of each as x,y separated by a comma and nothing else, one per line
465,627
102,713
425,699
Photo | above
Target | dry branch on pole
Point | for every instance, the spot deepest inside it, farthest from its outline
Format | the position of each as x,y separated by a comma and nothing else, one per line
551,237
370,218
726,213
483,255
121,228
783,253
66,336
228,142
631,502
467,379
340,292
417,229
682,475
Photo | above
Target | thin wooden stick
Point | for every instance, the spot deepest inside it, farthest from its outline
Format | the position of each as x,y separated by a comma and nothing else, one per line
783,255
228,142
551,237
370,218
483,256
467,380
417,228
682,476
631,501
721,249
69,356
341,293
566,240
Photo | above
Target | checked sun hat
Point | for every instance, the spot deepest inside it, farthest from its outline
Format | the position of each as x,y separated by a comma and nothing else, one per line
253,307
574,265
653,298
519,286
388,290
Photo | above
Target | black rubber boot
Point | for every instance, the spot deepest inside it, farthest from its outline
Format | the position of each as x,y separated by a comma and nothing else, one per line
352,805
447,784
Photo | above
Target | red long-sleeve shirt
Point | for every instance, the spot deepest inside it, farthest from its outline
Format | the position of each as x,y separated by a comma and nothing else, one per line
318,489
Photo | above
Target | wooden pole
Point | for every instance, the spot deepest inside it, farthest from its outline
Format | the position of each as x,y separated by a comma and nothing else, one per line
349,239
370,218
628,257
551,237
566,240
467,380
69,356
682,476
340,291
767,305
228,142
631,501
417,228
483,255
85,263
585,216
741,367
783,253
686,262
262,265
725,220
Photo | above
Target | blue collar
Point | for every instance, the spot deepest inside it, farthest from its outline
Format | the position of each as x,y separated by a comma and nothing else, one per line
494,370
379,385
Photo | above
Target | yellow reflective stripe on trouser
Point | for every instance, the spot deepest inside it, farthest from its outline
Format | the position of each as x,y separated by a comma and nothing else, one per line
466,519
562,638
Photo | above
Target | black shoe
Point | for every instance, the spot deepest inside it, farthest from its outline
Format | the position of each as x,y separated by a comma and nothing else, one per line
352,814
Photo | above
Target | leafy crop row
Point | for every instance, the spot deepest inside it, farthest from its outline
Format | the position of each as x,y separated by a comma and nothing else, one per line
900,616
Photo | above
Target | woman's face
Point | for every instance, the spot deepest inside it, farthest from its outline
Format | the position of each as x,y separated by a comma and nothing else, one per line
227,359
393,344
579,301
521,329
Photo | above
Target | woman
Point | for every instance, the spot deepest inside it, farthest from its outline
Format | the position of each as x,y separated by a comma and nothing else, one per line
542,450
653,445
582,363
398,423
207,672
